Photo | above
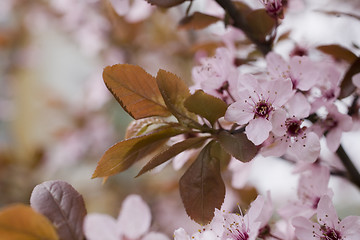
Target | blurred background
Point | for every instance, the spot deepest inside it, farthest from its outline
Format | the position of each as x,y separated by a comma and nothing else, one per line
57,118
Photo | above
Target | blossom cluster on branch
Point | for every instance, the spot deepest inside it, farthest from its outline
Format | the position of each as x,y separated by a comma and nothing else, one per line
246,100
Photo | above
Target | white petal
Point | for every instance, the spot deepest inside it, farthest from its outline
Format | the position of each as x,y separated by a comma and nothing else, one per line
100,226
258,130
180,234
135,217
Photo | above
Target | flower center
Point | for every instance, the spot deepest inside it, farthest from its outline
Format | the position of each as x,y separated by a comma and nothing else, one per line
263,109
293,127
330,234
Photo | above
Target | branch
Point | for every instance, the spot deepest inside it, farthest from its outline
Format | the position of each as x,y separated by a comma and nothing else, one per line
239,22
354,175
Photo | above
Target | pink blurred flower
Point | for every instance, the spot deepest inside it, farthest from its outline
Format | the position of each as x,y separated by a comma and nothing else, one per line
300,70
328,226
133,222
313,184
217,75
258,101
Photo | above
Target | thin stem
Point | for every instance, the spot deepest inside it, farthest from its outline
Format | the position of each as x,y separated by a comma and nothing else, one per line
354,175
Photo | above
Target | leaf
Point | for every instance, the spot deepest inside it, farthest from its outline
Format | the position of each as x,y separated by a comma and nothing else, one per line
338,52
174,92
141,126
166,3
135,90
338,14
197,21
122,155
201,187
238,145
347,87
21,222
259,25
63,206
205,105
172,152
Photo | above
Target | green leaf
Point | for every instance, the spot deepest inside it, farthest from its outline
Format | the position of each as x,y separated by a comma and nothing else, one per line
347,87
165,3
174,92
197,21
238,145
122,155
201,187
21,222
338,52
205,105
259,25
135,90
172,152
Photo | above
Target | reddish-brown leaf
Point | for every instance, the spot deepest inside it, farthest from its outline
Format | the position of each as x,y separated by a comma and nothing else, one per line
201,187
197,21
174,92
21,222
338,52
171,152
165,3
259,25
347,87
238,145
62,205
205,105
122,155
135,90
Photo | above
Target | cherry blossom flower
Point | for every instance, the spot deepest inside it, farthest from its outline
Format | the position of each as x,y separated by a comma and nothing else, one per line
289,134
243,227
302,72
258,101
133,222
328,227
217,75
313,184
332,126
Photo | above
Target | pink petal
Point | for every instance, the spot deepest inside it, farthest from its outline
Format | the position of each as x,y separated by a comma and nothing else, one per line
180,234
258,130
350,227
356,80
277,66
326,212
239,112
281,91
333,138
135,217
308,150
100,226
298,106
304,71
277,120
304,228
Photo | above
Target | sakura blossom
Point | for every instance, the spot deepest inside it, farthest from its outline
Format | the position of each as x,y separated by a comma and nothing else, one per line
258,102
313,184
290,136
328,225
217,75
